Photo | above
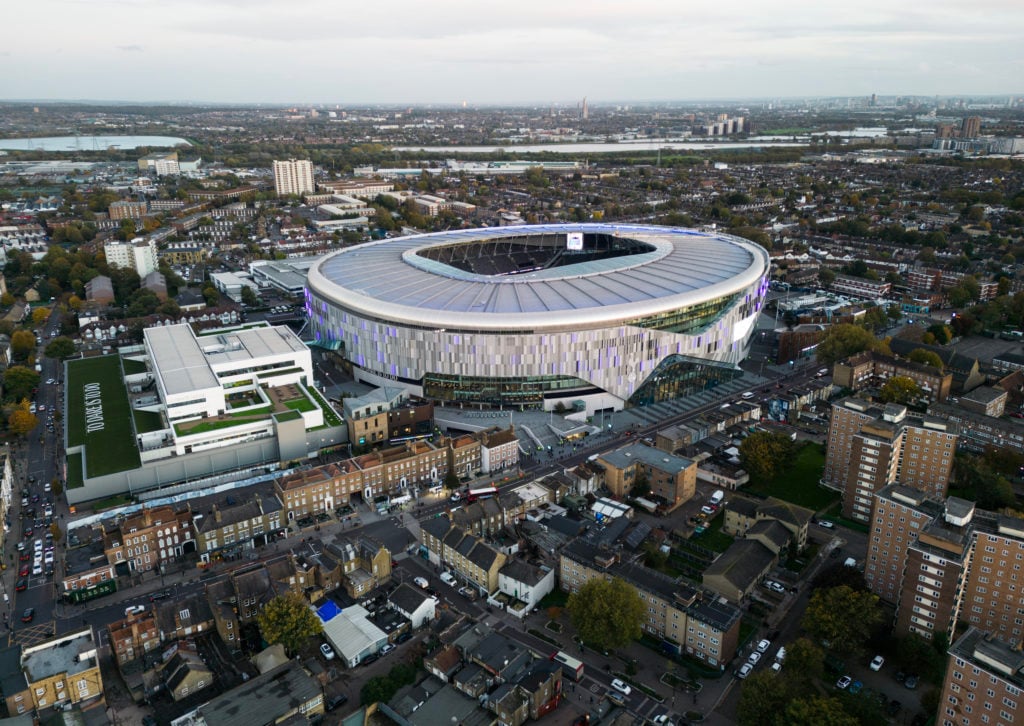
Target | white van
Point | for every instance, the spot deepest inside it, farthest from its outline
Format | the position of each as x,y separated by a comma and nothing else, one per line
747,395
447,579
718,497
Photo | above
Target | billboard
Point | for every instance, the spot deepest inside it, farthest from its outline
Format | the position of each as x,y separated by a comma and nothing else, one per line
574,241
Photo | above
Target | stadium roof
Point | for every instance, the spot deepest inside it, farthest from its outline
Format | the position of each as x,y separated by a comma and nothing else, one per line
391,280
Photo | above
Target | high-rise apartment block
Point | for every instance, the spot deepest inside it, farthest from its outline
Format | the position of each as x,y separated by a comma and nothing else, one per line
971,127
944,562
983,684
294,176
139,255
873,445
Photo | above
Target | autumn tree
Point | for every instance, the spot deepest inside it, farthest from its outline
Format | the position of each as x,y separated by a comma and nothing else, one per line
843,340
817,711
40,316
289,620
900,389
23,342
606,613
925,357
22,420
842,618
764,454
763,699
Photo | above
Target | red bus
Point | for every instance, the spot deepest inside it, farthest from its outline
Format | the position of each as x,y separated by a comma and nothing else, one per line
484,493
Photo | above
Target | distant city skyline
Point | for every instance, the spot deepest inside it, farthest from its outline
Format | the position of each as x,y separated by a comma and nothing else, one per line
319,51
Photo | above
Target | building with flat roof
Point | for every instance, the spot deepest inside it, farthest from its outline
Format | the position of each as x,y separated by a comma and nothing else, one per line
293,176
62,671
873,445
534,316
983,683
220,400
138,254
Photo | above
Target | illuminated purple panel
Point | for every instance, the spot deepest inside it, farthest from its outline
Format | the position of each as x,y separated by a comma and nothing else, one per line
394,369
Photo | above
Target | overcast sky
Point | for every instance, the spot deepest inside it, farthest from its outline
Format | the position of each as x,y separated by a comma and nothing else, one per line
500,51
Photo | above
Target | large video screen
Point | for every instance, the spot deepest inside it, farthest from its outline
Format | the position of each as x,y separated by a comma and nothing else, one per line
574,241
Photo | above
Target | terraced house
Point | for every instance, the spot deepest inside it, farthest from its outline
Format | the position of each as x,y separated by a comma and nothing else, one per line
687,620
142,541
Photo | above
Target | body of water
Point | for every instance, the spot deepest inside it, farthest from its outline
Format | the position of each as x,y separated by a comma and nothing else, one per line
89,143
624,147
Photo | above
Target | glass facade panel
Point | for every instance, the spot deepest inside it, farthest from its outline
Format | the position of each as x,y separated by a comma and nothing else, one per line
678,376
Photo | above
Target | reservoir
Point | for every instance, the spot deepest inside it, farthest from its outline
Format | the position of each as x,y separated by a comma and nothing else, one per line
90,143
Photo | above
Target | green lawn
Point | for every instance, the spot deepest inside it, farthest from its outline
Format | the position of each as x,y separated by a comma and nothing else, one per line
111,447
146,421
300,404
713,537
75,471
799,484
133,366
231,419
287,416
330,417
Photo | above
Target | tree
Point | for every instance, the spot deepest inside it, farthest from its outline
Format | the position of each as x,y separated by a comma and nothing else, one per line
826,277
290,621
22,420
805,661
943,333
249,296
842,341
7,299
19,382
60,348
764,455
23,342
817,711
606,613
40,316
842,618
56,487
900,389
56,532
763,699
925,357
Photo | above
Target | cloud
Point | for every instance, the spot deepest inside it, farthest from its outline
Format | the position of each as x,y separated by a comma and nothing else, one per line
131,48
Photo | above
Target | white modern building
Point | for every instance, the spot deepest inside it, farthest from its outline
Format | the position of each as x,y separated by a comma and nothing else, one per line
594,316
294,176
140,255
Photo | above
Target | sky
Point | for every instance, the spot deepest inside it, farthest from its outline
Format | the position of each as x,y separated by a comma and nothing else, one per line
486,52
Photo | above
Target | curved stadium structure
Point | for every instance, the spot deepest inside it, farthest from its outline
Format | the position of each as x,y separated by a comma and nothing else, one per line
530,316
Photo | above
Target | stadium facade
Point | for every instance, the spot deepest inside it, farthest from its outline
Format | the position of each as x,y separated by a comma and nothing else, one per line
588,315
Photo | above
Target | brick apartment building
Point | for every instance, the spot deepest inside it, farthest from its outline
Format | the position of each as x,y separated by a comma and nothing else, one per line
873,445
870,369
984,677
944,562
671,478
144,540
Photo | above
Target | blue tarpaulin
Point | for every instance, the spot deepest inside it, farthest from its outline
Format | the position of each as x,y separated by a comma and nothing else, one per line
327,611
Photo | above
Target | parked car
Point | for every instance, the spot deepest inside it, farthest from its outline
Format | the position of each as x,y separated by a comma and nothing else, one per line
763,646
621,686
327,651
911,682
387,648
29,615
24,570
421,582
844,682
877,662
826,524
447,578
134,610
744,670
334,701
21,585
753,658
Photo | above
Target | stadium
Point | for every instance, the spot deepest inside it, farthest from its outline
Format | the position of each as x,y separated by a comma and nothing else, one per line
589,316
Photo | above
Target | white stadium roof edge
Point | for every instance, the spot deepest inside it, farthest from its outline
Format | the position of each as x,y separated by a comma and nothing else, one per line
389,280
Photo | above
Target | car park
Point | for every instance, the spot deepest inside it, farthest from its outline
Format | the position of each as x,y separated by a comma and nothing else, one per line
744,670
877,662
327,651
